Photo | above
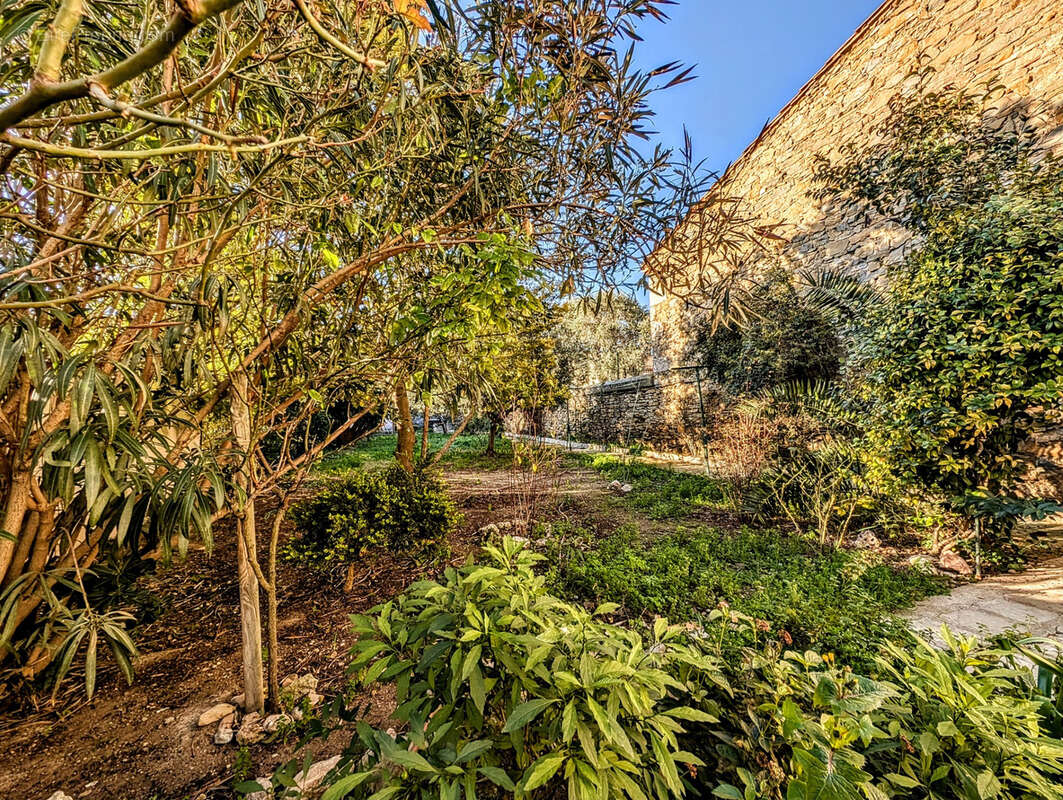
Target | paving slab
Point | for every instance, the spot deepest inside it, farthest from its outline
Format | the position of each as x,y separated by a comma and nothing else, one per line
1029,602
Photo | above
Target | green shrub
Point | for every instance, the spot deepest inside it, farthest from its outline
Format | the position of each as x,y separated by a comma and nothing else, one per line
506,690
385,510
837,600
963,723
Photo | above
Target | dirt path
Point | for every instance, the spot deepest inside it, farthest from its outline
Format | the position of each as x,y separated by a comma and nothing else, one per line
1030,601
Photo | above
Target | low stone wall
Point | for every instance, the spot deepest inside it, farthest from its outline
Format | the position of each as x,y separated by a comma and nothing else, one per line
662,410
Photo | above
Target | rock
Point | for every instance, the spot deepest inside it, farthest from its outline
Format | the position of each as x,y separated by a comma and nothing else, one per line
615,486
315,774
267,789
626,488
238,699
300,684
60,796
225,731
922,563
215,713
250,729
866,540
271,723
951,562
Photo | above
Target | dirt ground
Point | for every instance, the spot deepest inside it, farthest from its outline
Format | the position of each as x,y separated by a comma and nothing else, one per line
142,743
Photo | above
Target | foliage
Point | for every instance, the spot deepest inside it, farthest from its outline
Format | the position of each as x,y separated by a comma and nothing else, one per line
601,338
662,493
506,690
785,339
365,511
834,600
964,722
964,350
206,195
823,487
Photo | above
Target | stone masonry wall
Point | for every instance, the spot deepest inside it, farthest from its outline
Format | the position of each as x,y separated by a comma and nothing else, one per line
1017,44
662,409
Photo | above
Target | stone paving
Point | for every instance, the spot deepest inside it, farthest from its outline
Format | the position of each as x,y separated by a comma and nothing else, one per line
1030,601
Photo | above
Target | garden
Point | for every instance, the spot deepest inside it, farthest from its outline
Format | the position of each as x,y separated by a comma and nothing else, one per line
287,295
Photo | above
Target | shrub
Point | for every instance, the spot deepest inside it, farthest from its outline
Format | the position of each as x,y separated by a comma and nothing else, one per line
963,722
365,511
506,690
837,600
785,339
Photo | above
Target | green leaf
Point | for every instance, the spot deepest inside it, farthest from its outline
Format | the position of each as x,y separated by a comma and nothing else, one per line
498,776
344,785
525,713
542,770
728,792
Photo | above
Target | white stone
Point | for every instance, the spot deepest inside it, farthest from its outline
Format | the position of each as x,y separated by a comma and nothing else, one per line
215,713
866,540
225,732
60,795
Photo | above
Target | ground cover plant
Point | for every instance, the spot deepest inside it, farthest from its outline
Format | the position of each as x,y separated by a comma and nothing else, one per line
661,493
832,599
469,451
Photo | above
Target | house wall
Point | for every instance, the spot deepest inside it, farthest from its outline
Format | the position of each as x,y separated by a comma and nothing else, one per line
1017,44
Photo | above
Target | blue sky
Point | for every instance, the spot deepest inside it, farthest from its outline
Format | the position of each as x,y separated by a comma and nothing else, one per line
752,56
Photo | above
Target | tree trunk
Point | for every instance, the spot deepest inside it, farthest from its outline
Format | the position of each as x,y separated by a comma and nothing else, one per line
404,447
18,498
491,433
250,611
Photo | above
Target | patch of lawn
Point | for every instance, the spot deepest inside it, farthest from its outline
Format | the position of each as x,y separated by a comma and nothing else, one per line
467,452
828,599
661,493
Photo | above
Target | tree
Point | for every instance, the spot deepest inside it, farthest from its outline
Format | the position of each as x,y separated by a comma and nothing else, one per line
183,212
601,338
786,339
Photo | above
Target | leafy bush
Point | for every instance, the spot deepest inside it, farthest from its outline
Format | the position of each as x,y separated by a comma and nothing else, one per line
506,690
784,339
836,600
963,722
387,509
963,352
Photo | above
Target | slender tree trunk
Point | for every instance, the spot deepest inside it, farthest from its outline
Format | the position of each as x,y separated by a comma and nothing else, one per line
491,434
18,499
404,447
250,611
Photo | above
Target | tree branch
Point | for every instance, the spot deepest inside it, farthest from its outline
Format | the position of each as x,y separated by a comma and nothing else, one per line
44,92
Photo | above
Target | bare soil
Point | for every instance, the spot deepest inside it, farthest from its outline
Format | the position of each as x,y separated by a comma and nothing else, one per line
141,742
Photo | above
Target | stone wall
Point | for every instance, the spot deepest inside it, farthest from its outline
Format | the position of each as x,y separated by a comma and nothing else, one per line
662,409
1017,44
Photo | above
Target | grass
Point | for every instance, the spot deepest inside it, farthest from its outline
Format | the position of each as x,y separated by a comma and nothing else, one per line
829,599
661,493
466,453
